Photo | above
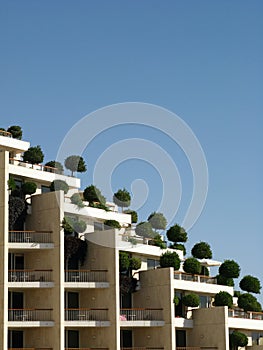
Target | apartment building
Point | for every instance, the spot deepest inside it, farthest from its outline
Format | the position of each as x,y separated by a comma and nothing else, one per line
46,303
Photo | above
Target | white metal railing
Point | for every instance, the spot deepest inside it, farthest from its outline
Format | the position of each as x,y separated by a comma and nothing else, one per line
84,314
30,237
29,314
245,314
194,278
40,167
141,314
30,348
30,275
85,276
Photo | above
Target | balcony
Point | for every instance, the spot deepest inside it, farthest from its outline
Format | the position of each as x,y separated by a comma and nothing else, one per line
251,315
30,240
194,278
30,278
143,317
30,348
87,348
142,348
85,317
86,279
30,318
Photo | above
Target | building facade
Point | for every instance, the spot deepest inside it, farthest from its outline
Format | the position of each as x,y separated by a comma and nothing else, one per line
49,302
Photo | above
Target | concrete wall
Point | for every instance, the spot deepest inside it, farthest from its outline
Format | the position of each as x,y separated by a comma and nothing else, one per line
210,328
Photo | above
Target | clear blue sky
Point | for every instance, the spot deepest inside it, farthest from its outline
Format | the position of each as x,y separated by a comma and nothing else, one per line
61,60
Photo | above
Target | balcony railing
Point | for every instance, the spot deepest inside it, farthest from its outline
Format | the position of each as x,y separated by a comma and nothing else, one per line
30,349
142,348
30,237
5,133
87,348
141,314
40,167
86,314
85,276
30,276
194,278
251,315
29,314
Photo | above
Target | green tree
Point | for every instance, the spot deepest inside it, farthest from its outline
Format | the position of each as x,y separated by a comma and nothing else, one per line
192,265
135,263
28,188
170,259
237,339
157,220
134,215
112,223
250,284
229,269
202,250
124,261
67,225
75,163
79,226
144,229
225,281
16,131
122,198
191,300
57,165
59,185
76,199
248,302
178,246
223,299
93,194
34,155
176,234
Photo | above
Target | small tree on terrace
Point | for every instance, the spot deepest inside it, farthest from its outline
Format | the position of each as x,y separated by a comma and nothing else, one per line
250,284
223,299
237,339
144,229
34,155
202,250
134,215
176,234
93,194
248,302
169,259
16,131
55,164
158,221
229,269
122,198
75,163
192,265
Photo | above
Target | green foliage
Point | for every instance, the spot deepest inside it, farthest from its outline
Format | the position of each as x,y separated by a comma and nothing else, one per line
11,184
176,300
17,213
124,261
144,229
248,302
92,194
170,259
16,131
79,226
229,269
176,234
204,271
99,206
75,248
134,215
223,299
135,263
67,225
192,265
202,250
178,246
157,220
76,199
28,188
75,163
112,223
59,185
158,242
34,155
225,281
57,165
132,240
237,293
237,339
250,284
191,300
122,198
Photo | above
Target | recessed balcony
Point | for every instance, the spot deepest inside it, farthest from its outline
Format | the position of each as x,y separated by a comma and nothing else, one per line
141,317
249,315
30,278
30,240
30,318
85,317
86,279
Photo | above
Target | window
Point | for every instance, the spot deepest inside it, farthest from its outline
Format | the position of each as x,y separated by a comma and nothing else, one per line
205,301
257,338
45,189
98,226
180,338
152,264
